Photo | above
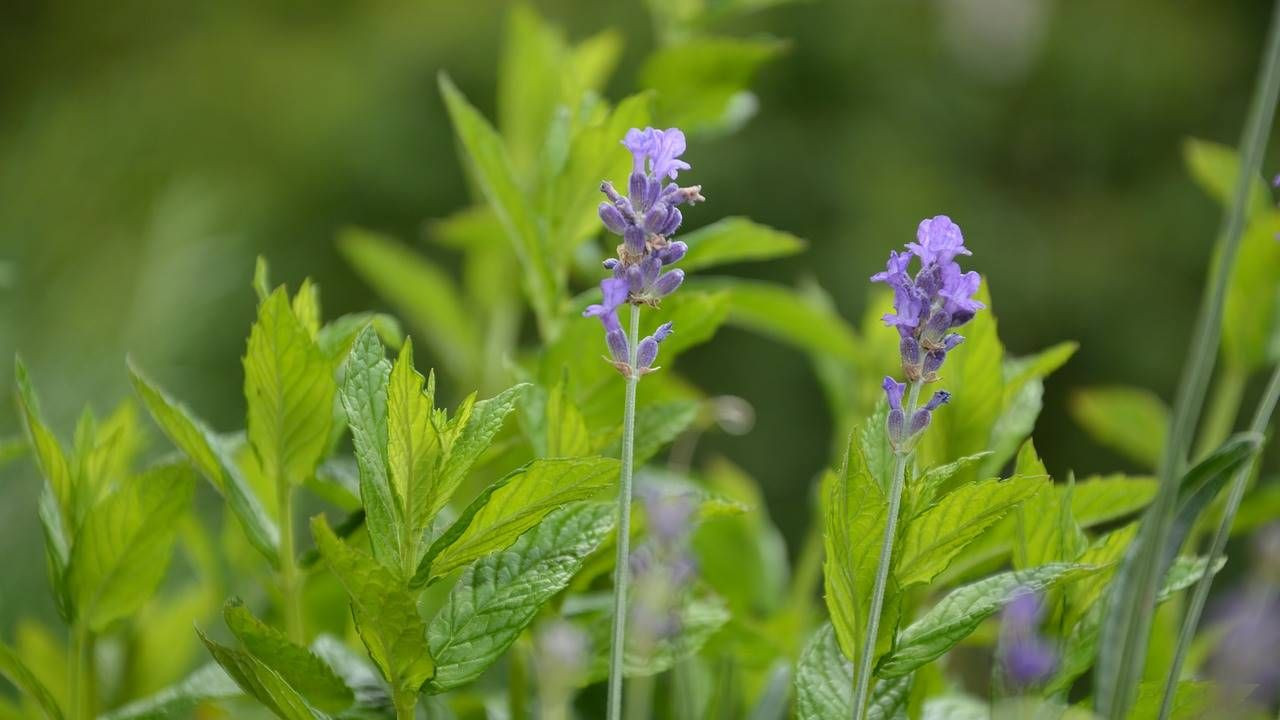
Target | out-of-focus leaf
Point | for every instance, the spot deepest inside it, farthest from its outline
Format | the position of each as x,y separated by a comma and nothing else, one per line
824,684
123,549
1023,393
699,619
1251,315
310,676
702,83
208,684
1103,498
48,452
963,609
656,426
12,667
1216,169
205,450
932,539
259,681
512,505
567,434
425,294
694,316
289,388
1131,421
782,313
1047,532
499,595
336,338
734,240
386,614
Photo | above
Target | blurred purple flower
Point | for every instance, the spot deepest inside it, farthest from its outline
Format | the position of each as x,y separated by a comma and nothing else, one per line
1027,659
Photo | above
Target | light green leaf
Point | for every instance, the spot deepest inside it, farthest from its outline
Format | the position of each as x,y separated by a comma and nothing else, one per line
1023,400
695,317
1103,498
48,452
931,540
12,667
1192,700
261,278
854,509
261,682
482,425
530,76
424,294
386,614
364,398
784,314
121,553
487,160
1046,530
414,449
1251,314
512,505
921,492
208,684
499,595
306,307
963,609
567,434
306,673
1131,421
289,387
702,82
824,684
336,338
205,450
1216,169
656,427
734,240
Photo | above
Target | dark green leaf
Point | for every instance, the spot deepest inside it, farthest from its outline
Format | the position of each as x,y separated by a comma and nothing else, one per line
364,397
310,676
261,682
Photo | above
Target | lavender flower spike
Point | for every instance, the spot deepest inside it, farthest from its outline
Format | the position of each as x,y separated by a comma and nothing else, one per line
1026,658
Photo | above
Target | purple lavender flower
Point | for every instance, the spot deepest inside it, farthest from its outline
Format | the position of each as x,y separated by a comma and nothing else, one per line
645,218
897,420
663,567
1026,658
920,418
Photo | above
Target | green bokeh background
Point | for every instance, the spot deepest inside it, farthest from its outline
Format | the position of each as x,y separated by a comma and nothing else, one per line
149,151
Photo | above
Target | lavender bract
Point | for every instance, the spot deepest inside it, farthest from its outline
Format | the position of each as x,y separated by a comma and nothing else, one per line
646,219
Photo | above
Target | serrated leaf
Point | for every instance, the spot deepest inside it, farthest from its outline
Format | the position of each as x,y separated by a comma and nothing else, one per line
702,82
121,553
483,424
512,505
489,165
923,490
48,451
824,684
1131,421
289,388
12,667
854,510
734,240
364,398
385,613
784,314
205,450
931,540
422,292
208,684
499,595
414,449
656,426
306,673
963,609
1046,532
260,681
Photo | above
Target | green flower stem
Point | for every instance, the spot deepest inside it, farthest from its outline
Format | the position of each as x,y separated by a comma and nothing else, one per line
1132,620
289,586
862,685
1239,482
80,673
406,704
621,571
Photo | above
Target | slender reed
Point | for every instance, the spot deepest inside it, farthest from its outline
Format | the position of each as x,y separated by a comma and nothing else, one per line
1130,616
1239,482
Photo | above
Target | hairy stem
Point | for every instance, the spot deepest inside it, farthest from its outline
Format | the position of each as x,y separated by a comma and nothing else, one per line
1239,482
1130,619
862,685
288,566
621,572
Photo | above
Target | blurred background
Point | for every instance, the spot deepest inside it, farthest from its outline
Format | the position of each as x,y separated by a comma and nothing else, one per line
149,151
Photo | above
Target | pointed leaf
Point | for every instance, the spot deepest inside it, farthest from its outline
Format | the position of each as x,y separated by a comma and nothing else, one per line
824,684
784,314
208,684
413,451
48,452
364,398
567,434
310,676
260,681
734,240
482,426
12,667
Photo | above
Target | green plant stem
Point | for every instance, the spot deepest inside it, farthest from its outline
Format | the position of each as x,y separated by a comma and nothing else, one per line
862,685
406,704
1220,418
1261,417
517,681
80,673
289,566
1131,617
621,572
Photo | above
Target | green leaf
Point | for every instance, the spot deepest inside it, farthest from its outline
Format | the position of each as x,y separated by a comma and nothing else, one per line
702,82
1216,169
48,452
208,684
289,387
1130,421
306,673
699,619
364,398
824,684
921,492
1099,499
206,451
963,609
1046,529
414,449
260,681
306,307
497,597
736,239
1251,313
656,427
12,667
931,540
121,552
530,76
1192,700
386,614
482,425
487,160
336,338
855,509
423,293
695,317
512,505
567,434
784,314
1023,400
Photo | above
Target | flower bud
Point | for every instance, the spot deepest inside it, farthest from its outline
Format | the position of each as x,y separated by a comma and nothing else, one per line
668,282
612,218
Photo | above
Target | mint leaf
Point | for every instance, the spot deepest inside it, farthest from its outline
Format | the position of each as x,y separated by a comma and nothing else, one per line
306,673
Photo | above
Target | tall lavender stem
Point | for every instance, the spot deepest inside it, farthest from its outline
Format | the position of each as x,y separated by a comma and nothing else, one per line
862,685
621,571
